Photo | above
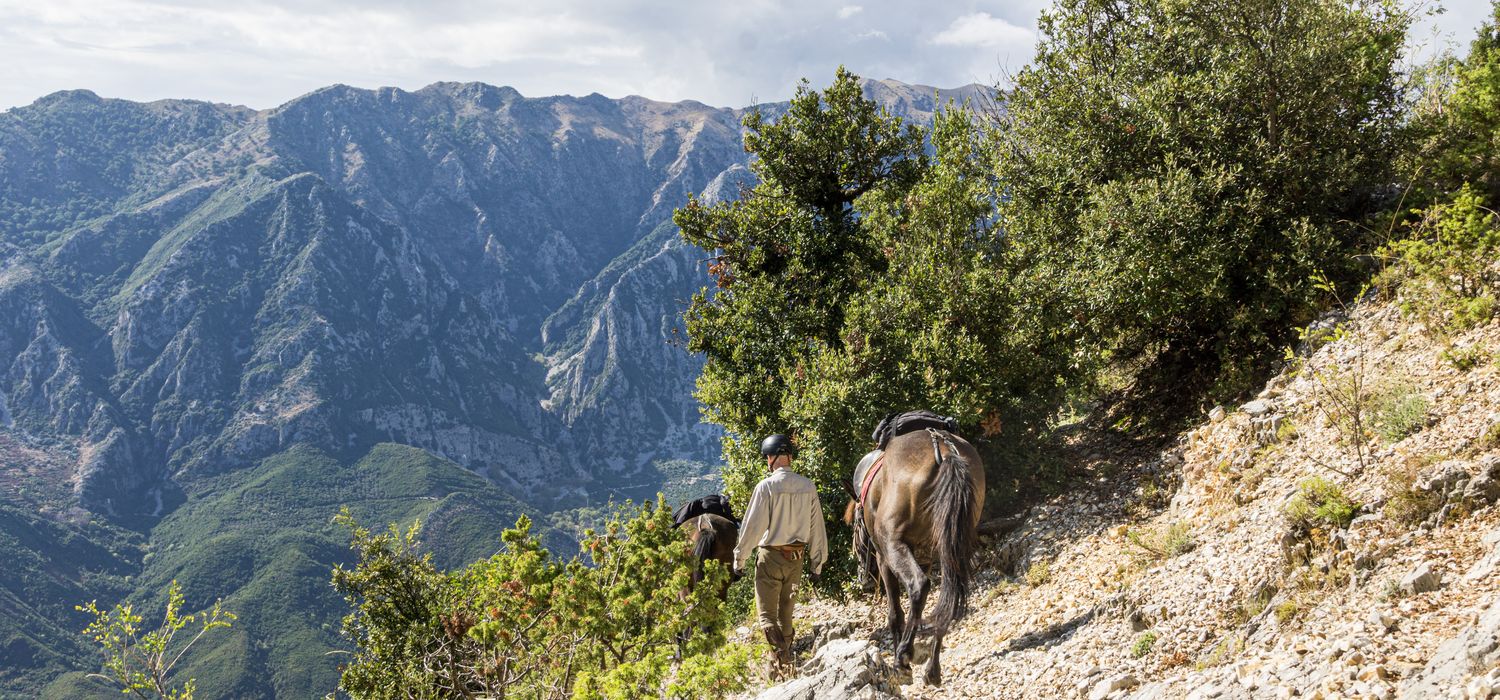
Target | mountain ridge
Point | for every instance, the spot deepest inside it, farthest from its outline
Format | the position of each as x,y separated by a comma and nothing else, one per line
198,295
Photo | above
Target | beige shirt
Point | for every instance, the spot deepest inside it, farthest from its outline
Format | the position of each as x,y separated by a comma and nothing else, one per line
784,509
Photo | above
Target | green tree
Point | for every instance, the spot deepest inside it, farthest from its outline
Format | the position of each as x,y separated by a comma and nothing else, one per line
789,254
524,625
141,664
1178,170
1448,263
864,273
1460,120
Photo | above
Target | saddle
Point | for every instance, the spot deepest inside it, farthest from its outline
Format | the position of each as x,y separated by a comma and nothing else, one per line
712,504
910,422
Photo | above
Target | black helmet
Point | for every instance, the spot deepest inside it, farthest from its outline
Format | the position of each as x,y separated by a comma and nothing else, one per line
777,444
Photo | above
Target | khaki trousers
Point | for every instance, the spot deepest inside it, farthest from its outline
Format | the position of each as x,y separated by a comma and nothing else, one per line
776,579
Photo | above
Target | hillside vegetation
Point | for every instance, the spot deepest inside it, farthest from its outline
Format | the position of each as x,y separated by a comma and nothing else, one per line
1173,203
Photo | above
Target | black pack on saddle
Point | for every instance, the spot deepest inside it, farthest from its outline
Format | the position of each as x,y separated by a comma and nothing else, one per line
911,421
712,504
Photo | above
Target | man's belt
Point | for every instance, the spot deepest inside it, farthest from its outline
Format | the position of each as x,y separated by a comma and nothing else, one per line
790,551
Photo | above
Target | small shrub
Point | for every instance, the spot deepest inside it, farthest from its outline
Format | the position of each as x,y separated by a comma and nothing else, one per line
1039,573
1175,540
1464,359
1221,653
1286,611
1142,645
1490,439
1341,395
717,675
1155,494
615,621
140,664
1251,606
1320,503
1449,259
1404,502
1287,431
1399,412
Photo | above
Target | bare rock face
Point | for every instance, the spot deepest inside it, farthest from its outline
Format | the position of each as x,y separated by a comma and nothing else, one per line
490,277
842,668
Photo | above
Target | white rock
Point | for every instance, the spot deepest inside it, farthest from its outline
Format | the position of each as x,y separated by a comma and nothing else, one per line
1106,687
1422,579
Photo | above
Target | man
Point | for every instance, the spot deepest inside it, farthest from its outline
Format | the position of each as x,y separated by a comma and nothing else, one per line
785,522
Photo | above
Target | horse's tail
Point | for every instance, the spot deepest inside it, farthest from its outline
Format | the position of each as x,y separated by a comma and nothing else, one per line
703,549
952,506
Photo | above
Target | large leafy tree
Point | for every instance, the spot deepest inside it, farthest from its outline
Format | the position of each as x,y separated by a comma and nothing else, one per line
789,254
864,273
1178,170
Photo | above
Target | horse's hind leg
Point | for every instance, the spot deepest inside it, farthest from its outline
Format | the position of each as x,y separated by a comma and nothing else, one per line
893,615
906,568
934,675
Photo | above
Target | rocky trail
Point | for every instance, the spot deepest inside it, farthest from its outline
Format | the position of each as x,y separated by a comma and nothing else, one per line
1262,553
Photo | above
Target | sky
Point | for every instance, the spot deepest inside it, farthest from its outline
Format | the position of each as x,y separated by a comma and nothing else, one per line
263,53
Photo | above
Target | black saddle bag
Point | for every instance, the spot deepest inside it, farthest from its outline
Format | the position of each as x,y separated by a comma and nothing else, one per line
911,421
712,504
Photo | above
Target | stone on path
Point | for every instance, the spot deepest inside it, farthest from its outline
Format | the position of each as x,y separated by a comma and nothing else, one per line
1421,580
842,668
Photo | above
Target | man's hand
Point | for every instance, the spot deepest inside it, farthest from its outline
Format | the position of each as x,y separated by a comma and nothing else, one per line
815,577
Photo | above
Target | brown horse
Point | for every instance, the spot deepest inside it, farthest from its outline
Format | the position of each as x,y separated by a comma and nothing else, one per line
712,537
921,508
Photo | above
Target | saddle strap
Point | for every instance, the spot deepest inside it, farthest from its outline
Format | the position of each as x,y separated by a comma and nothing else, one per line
864,489
937,452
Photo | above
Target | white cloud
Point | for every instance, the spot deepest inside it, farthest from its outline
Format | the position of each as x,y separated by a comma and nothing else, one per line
980,29
263,53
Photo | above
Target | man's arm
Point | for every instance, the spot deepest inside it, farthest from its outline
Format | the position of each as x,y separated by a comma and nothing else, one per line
757,519
818,547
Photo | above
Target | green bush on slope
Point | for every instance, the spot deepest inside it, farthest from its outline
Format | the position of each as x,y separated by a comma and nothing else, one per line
527,625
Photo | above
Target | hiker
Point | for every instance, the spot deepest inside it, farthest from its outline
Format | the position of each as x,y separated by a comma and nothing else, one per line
785,522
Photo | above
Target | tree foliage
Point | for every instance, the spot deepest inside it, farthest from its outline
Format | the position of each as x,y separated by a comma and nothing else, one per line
1178,170
1445,260
863,273
1459,122
140,662
610,623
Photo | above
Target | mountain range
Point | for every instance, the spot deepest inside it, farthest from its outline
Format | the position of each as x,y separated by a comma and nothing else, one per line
219,325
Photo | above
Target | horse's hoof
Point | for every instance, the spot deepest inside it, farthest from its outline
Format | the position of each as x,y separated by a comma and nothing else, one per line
903,674
934,679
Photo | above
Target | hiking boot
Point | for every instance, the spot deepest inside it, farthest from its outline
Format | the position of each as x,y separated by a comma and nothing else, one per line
775,671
